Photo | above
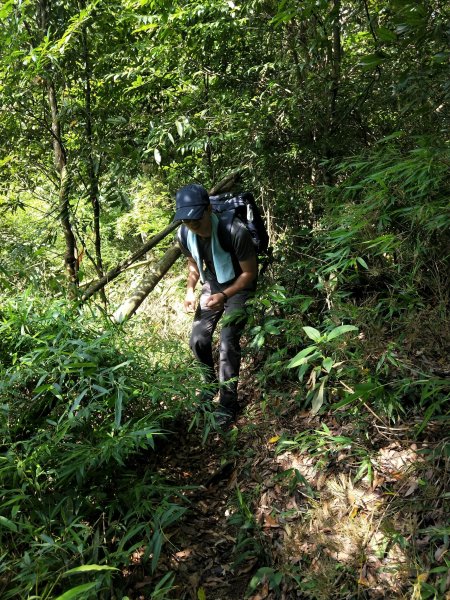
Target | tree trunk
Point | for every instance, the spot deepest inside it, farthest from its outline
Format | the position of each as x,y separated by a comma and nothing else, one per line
60,161
92,171
336,63
118,269
148,283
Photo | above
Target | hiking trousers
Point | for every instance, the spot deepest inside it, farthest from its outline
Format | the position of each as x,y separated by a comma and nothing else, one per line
205,323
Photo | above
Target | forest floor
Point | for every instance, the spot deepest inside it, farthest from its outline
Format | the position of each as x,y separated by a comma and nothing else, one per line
286,505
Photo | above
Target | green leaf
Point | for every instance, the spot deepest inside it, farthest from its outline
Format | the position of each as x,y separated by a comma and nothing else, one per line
299,358
179,126
270,328
371,61
118,409
319,398
386,35
362,262
201,594
8,524
87,568
78,399
302,371
312,333
347,400
77,591
337,331
327,364
6,9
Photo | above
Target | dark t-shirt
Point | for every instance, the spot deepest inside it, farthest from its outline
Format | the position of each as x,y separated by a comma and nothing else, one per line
243,249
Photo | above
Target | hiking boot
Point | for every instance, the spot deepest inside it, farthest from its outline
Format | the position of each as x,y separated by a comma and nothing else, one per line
224,417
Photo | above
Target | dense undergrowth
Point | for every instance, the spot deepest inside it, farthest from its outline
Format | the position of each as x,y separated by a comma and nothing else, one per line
81,406
351,319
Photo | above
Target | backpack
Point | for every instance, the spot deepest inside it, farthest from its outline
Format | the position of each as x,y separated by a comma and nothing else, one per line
228,206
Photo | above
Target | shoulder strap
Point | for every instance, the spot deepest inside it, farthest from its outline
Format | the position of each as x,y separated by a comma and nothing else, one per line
224,230
182,236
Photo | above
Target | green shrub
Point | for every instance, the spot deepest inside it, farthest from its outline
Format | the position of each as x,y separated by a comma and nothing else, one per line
82,413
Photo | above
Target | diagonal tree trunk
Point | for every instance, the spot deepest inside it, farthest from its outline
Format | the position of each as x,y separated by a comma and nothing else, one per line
148,283
122,266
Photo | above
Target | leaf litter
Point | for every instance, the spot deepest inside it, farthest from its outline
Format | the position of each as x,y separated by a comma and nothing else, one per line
304,514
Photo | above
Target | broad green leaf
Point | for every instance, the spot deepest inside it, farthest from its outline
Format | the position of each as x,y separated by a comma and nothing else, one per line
312,333
386,35
299,358
371,61
327,364
337,331
302,371
347,400
87,568
270,328
77,591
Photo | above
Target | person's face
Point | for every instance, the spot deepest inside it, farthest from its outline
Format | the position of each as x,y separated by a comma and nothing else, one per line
201,227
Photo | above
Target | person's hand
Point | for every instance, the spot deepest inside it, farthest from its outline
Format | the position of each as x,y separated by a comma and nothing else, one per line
215,301
189,301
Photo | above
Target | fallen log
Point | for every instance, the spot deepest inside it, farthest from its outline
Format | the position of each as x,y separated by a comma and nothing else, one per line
118,269
148,283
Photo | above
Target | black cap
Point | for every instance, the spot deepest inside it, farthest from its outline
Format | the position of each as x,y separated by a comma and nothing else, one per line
191,202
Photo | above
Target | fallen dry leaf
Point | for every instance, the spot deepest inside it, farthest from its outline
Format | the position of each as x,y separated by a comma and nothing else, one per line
269,521
412,488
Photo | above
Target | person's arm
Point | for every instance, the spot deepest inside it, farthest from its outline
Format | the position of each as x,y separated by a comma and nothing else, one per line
193,277
249,273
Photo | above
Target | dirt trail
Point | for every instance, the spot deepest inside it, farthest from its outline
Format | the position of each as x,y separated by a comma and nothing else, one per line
308,522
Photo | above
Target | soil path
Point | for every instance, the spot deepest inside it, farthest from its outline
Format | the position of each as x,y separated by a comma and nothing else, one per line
309,521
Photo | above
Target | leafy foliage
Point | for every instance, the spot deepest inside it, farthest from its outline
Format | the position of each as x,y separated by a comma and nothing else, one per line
336,114
78,417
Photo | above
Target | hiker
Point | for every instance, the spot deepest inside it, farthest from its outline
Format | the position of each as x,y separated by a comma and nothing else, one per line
228,279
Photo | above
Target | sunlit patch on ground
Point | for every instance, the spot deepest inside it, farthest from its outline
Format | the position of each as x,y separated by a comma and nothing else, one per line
344,538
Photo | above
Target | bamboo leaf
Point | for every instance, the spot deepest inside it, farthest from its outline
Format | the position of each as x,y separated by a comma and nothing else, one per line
118,409
88,568
77,591
362,262
8,524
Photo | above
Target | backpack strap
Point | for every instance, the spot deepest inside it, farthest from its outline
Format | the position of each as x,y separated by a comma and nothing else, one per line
182,236
224,230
